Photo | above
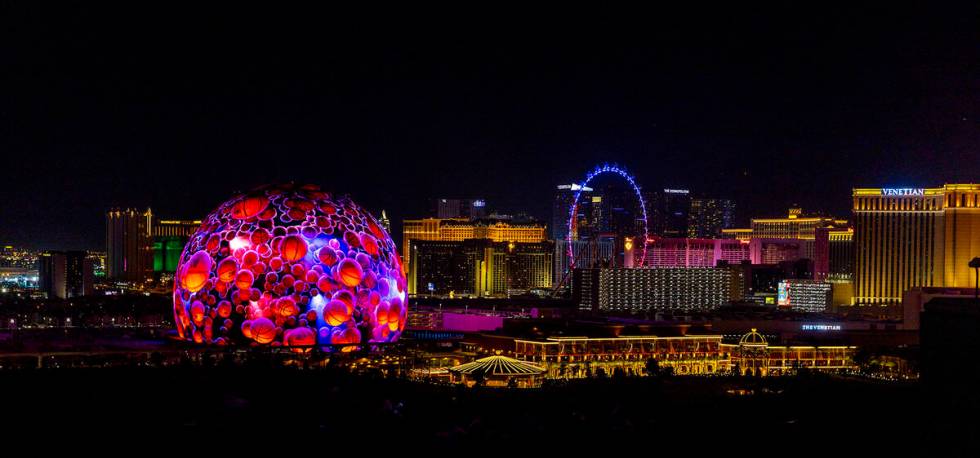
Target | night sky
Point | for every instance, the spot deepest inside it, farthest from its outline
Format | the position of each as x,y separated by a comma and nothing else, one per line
177,109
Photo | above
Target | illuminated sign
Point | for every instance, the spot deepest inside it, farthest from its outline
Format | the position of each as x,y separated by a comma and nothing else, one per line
677,191
821,327
479,203
575,187
784,299
903,192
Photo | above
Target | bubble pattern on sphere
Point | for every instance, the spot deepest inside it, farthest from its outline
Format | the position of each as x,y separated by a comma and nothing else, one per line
288,265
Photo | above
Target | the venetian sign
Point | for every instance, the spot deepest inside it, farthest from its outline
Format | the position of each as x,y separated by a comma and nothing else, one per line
902,191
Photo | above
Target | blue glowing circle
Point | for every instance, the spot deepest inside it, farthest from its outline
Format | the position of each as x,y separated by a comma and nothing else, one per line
605,168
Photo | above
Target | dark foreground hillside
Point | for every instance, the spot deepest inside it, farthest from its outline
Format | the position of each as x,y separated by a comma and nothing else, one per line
807,416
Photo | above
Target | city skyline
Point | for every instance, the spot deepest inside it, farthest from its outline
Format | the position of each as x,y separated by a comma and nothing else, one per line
697,230
710,103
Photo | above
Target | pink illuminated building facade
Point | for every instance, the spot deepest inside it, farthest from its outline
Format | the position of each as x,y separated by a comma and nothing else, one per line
677,252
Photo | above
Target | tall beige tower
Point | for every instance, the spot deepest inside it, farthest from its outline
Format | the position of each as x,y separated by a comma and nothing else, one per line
912,237
898,242
962,235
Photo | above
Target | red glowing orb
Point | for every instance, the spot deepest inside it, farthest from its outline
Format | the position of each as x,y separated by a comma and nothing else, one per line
290,265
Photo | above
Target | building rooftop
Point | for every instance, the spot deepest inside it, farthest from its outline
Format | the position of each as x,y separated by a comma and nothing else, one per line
498,365
753,338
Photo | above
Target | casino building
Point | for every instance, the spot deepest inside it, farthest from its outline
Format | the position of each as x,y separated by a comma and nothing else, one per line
128,250
577,357
662,288
168,240
459,229
827,241
694,252
479,267
913,237
795,225
805,295
587,254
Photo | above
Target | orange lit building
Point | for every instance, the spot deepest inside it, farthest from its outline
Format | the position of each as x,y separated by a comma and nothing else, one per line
479,267
914,237
794,226
827,241
459,229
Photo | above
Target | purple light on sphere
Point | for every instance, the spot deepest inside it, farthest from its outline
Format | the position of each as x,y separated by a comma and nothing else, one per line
263,268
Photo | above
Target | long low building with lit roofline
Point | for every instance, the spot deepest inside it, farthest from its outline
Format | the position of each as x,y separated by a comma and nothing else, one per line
577,357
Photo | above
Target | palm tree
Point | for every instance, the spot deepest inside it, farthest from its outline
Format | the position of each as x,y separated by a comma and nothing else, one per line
975,265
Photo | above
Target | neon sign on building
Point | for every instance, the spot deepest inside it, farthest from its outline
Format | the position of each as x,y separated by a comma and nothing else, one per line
821,327
903,192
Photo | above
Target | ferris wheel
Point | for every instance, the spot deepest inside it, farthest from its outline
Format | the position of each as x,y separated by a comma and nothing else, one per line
573,210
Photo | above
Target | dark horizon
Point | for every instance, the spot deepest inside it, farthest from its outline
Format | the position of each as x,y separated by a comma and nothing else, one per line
177,110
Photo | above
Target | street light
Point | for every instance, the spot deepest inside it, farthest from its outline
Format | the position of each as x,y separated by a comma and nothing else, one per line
975,265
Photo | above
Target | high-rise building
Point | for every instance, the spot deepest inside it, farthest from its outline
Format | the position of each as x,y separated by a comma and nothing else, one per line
479,267
385,222
457,230
438,267
169,238
708,217
65,274
18,258
765,278
912,237
664,252
798,236
517,268
795,225
620,289
128,244
616,212
804,295
175,228
459,208
775,251
671,211
840,262
740,233
962,233
587,253
561,208
898,237
560,211
98,261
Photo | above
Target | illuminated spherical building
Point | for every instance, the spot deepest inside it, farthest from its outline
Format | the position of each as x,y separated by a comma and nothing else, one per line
293,266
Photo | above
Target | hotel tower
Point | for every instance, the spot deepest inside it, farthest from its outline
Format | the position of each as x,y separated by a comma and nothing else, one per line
911,237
